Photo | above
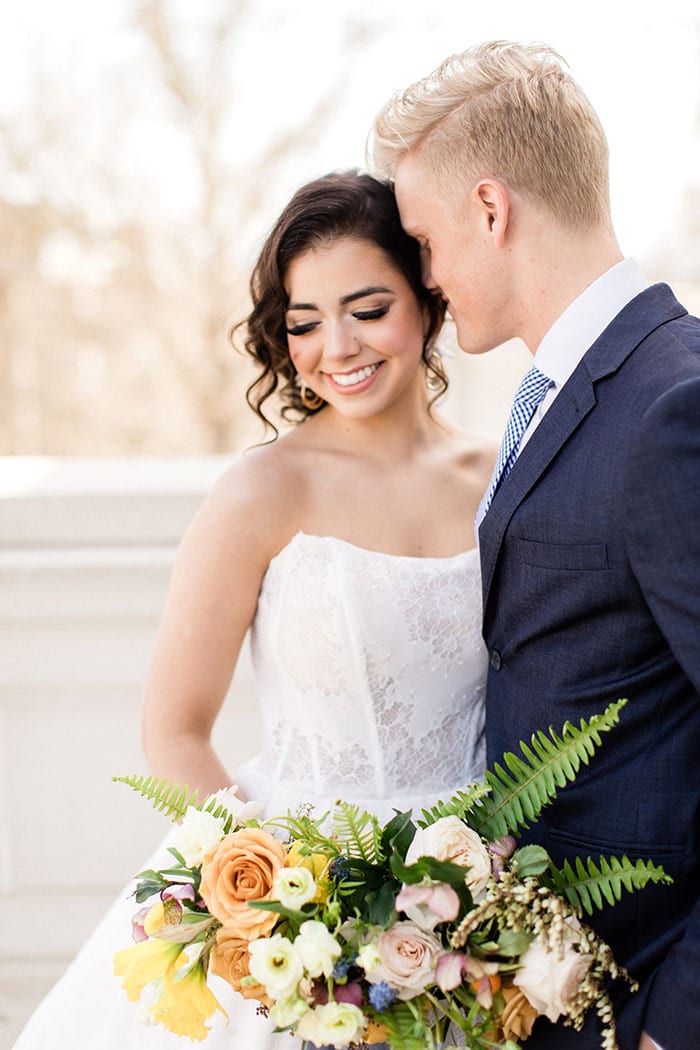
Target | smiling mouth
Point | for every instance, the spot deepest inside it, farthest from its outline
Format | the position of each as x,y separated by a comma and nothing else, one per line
354,378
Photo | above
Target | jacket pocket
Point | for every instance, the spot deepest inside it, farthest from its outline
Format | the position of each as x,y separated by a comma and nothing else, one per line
575,557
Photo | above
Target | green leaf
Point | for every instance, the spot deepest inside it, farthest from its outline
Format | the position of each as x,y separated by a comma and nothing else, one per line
532,860
589,886
398,834
427,867
522,787
382,904
512,944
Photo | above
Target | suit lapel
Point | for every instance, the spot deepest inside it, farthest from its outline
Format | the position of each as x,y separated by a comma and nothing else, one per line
570,408
635,322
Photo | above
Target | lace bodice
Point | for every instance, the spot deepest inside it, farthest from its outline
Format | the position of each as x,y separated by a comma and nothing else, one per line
371,673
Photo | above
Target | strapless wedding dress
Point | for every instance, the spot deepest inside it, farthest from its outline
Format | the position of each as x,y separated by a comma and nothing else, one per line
370,671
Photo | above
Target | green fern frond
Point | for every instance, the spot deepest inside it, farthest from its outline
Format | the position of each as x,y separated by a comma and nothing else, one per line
359,831
589,886
175,799
520,792
407,1029
460,804
307,831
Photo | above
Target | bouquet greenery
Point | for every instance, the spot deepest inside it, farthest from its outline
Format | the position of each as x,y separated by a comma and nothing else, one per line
414,933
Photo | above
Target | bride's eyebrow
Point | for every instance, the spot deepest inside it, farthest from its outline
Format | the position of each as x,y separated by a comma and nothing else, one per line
371,290
350,298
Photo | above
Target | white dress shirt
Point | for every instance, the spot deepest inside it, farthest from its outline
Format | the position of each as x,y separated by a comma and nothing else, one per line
579,326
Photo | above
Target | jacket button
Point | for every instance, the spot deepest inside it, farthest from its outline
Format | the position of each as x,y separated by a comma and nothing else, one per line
495,659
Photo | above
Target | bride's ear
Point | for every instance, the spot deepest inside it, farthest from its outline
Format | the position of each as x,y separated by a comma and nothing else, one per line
493,204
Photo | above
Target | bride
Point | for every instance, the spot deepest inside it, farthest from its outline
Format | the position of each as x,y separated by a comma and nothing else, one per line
345,546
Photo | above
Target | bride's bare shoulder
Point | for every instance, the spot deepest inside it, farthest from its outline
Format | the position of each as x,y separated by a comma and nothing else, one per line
264,487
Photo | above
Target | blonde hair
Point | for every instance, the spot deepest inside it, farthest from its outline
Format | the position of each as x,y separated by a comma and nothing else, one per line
506,111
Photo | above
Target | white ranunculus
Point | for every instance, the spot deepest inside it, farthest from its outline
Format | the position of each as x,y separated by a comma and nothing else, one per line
317,948
197,834
276,964
288,1012
449,838
368,957
548,981
294,887
333,1024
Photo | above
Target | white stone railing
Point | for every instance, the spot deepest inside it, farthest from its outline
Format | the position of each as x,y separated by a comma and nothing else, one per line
86,548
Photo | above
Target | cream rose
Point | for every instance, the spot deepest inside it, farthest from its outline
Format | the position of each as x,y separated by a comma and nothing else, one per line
242,868
449,838
547,980
408,956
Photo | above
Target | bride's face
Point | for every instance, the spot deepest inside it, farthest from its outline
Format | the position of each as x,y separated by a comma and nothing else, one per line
355,329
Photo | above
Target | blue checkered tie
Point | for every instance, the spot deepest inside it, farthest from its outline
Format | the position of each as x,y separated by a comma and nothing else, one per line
529,395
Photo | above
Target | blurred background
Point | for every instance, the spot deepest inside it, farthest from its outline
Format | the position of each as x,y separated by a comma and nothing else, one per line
146,147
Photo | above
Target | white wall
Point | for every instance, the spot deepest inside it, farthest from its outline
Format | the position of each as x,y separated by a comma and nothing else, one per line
86,548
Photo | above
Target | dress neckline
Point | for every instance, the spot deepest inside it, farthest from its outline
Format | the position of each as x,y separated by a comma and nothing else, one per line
306,537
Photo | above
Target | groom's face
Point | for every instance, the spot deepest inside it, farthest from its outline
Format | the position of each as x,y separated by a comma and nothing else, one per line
459,256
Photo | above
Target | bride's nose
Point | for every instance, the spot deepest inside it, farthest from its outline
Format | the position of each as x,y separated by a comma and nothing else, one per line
341,342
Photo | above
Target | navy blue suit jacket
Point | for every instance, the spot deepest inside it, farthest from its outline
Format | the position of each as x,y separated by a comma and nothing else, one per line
590,557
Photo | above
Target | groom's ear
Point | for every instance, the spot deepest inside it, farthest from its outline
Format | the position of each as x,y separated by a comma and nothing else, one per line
492,201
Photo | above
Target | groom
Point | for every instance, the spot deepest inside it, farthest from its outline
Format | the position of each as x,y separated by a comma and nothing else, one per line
590,530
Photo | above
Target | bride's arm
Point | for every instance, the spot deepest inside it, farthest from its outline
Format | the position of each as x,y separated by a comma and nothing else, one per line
210,605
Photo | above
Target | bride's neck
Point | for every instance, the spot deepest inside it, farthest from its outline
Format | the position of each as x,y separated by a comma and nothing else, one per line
389,438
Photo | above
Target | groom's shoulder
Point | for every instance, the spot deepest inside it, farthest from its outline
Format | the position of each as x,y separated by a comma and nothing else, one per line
668,317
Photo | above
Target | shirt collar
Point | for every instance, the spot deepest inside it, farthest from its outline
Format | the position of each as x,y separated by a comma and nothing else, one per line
586,318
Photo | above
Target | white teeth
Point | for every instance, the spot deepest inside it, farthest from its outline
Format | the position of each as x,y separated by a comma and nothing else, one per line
352,378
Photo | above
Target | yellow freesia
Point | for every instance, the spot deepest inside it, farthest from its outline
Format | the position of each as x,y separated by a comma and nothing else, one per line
185,1003
154,919
315,862
145,962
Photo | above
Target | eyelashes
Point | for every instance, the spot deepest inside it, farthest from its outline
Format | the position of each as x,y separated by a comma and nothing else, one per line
302,329
360,315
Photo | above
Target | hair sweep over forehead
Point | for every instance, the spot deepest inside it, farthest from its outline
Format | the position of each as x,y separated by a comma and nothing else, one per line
352,205
507,111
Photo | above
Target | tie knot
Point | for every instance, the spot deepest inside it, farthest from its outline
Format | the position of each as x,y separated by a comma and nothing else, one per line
533,387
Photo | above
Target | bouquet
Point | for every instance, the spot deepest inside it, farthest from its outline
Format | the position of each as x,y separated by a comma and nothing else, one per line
417,933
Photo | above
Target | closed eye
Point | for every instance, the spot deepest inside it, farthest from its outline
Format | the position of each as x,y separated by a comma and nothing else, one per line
371,315
302,329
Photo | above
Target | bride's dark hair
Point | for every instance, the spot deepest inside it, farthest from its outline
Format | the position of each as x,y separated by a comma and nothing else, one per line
342,204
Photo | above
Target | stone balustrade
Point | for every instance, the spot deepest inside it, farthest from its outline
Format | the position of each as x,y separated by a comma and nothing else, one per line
86,548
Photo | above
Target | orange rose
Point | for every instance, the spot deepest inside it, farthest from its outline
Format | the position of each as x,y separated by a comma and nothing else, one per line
518,1016
230,959
242,868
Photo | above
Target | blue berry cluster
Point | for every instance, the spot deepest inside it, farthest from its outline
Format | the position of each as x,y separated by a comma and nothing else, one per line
381,996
